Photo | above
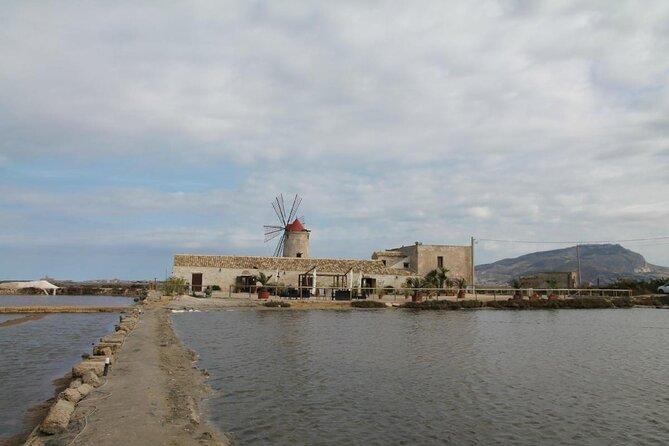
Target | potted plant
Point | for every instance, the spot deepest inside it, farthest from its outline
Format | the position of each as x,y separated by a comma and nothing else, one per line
415,285
462,287
263,280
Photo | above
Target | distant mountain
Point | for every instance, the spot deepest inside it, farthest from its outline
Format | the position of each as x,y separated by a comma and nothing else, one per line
604,262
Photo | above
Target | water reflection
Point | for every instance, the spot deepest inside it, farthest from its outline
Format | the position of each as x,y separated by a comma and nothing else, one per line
467,377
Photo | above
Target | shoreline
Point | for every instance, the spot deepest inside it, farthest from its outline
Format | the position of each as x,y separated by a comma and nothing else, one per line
150,396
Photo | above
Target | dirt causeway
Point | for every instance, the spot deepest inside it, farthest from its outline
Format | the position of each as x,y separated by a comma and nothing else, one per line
150,397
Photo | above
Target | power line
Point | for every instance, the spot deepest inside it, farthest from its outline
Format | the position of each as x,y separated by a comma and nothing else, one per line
578,242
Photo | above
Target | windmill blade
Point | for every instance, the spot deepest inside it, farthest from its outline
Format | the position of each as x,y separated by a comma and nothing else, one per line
279,247
280,210
272,232
293,210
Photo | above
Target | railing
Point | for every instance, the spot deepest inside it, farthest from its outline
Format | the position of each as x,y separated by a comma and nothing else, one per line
338,293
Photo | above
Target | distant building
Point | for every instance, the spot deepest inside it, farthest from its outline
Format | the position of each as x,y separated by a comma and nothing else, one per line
563,280
239,272
420,259
388,268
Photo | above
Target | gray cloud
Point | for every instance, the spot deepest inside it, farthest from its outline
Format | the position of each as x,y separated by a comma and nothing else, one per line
500,119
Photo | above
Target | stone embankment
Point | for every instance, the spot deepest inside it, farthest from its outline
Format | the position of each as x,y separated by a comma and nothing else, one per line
86,376
150,395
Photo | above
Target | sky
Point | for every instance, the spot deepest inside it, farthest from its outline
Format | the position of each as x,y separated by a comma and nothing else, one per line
134,130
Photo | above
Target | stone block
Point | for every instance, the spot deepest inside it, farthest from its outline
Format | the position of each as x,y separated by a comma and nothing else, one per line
58,417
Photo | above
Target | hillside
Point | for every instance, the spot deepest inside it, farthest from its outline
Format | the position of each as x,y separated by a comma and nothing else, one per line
604,262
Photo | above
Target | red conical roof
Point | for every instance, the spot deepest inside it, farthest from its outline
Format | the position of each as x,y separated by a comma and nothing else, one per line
295,226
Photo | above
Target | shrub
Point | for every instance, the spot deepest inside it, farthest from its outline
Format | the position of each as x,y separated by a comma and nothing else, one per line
368,304
215,288
276,304
174,285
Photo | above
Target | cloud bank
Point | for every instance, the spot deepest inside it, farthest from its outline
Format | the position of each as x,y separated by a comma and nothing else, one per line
136,129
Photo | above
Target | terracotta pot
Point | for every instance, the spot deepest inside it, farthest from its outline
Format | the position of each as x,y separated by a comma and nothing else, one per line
417,298
263,294
461,294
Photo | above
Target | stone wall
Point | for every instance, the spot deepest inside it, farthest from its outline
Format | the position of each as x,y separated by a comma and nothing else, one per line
424,258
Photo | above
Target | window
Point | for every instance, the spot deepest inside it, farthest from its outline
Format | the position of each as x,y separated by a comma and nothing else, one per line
406,265
384,262
440,262
299,254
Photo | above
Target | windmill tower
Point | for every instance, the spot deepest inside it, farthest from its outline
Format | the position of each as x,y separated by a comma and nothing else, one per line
294,240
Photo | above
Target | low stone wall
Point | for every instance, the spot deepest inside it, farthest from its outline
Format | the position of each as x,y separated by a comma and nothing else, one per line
87,375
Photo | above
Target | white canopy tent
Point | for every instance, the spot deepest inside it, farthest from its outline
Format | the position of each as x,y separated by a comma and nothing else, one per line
38,284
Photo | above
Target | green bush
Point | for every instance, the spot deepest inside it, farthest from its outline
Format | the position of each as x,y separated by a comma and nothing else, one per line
367,304
174,285
276,304
215,288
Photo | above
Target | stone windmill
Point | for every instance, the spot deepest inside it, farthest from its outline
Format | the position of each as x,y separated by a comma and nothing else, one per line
294,240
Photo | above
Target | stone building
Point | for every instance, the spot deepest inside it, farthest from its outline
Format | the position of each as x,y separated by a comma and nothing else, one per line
568,279
237,273
388,268
420,259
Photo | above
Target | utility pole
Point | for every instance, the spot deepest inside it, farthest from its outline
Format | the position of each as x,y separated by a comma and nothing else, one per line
473,271
578,265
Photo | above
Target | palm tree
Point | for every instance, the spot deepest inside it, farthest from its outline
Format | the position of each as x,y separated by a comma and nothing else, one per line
462,286
415,284
439,278
263,279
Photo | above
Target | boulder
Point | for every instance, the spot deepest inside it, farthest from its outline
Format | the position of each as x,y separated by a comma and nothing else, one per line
101,358
104,350
71,395
117,337
98,349
58,418
98,367
76,383
85,389
91,379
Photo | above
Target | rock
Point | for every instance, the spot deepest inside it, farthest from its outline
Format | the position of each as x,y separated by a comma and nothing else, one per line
91,379
100,358
71,395
98,367
58,418
105,351
76,383
98,349
85,389
117,337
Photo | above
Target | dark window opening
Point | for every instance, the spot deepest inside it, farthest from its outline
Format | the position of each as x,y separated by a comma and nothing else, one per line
406,264
299,254
384,262
440,262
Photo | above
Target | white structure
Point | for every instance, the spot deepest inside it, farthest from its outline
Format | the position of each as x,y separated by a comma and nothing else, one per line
37,284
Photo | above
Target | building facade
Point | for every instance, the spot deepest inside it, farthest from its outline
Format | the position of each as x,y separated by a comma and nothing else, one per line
420,259
389,268
557,279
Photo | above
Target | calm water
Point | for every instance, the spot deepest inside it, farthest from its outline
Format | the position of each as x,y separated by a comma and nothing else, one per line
9,317
33,354
593,377
64,301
